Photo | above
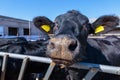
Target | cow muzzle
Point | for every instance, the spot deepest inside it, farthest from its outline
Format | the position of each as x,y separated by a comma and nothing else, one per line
63,49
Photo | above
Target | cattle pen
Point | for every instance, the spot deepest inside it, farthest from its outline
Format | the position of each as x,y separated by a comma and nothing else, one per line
93,68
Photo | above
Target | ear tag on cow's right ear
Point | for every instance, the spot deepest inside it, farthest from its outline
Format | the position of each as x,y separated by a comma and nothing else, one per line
99,29
46,28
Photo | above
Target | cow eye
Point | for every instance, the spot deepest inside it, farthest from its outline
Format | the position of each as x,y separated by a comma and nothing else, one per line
55,26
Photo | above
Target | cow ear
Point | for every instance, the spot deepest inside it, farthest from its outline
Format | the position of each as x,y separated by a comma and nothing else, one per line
43,23
105,23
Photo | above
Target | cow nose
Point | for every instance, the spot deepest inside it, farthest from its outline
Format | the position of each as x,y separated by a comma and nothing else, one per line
73,45
51,45
62,48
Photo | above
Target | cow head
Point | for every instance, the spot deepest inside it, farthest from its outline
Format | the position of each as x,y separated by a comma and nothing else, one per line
70,34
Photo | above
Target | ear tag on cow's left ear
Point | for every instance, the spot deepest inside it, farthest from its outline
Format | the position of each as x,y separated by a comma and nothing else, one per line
99,29
46,28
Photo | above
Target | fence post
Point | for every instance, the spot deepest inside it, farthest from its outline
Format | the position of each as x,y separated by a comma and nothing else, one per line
23,67
92,72
49,71
4,65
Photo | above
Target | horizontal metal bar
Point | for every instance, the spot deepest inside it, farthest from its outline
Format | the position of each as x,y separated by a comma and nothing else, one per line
32,58
101,68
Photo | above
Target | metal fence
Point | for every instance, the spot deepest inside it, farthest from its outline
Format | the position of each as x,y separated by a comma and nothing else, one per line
93,68
25,59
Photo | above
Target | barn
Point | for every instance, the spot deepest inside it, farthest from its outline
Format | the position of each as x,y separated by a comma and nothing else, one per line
10,26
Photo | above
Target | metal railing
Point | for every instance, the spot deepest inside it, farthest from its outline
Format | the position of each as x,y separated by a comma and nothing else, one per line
93,68
25,59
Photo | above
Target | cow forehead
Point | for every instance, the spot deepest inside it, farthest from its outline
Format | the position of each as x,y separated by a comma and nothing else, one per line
72,16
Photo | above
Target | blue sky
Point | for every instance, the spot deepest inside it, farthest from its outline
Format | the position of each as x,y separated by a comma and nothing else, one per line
28,9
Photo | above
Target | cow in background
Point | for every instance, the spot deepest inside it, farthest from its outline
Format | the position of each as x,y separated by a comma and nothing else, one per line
70,43
20,45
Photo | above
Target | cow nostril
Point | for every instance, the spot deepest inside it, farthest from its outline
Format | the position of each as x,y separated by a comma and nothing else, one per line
52,45
73,46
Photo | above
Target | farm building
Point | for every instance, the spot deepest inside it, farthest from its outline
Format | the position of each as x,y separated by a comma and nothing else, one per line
17,27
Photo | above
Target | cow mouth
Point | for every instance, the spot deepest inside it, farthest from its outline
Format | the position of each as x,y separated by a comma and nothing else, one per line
62,61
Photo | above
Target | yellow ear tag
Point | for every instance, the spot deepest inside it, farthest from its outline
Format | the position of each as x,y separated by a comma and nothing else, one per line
99,29
46,28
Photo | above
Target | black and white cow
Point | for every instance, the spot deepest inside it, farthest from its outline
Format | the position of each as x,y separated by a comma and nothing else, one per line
71,44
